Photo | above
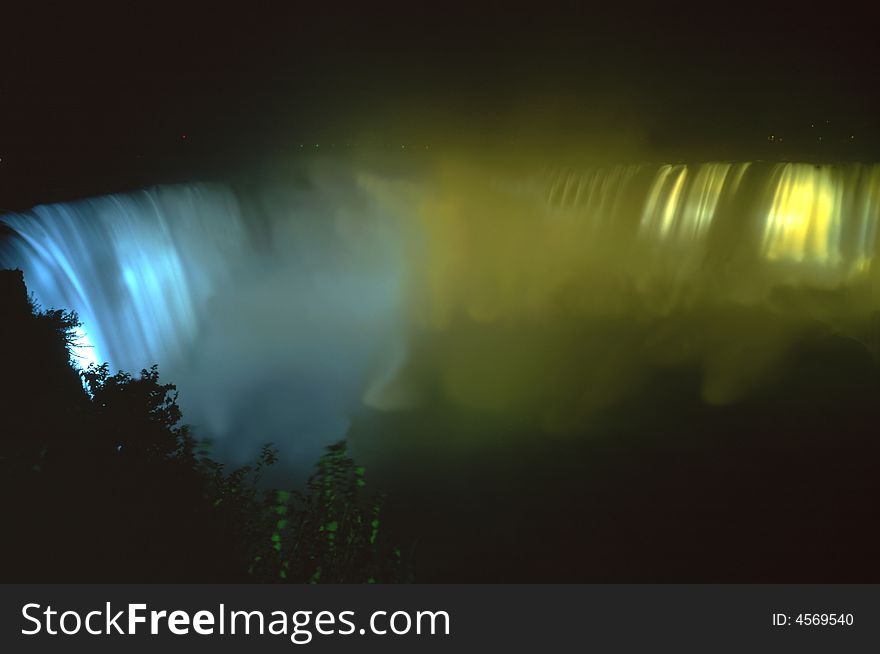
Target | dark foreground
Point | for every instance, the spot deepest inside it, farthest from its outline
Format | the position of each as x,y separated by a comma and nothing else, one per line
107,485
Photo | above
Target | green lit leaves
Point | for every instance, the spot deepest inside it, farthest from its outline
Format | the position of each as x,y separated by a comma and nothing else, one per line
329,534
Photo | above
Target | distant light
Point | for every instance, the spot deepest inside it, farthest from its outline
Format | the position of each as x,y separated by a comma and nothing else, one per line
317,145
183,136
82,349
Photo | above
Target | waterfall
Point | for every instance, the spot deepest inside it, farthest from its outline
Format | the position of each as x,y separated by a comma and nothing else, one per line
138,268
345,291
244,300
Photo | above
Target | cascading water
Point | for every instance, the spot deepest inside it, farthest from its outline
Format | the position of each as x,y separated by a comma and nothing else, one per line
137,268
817,217
245,301
301,305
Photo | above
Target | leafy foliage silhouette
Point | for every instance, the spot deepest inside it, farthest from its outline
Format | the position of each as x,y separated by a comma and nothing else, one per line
100,481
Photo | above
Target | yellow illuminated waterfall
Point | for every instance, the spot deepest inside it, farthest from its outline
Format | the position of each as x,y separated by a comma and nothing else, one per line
554,292
583,240
804,221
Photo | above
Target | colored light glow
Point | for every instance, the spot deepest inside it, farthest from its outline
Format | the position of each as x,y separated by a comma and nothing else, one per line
504,274
805,218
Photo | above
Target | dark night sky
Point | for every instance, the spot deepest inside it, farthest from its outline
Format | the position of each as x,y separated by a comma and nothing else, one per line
98,101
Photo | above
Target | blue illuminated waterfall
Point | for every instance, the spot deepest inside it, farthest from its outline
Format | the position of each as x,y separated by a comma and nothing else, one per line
294,296
138,268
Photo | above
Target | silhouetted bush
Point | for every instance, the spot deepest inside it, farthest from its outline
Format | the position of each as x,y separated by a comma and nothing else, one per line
100,481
